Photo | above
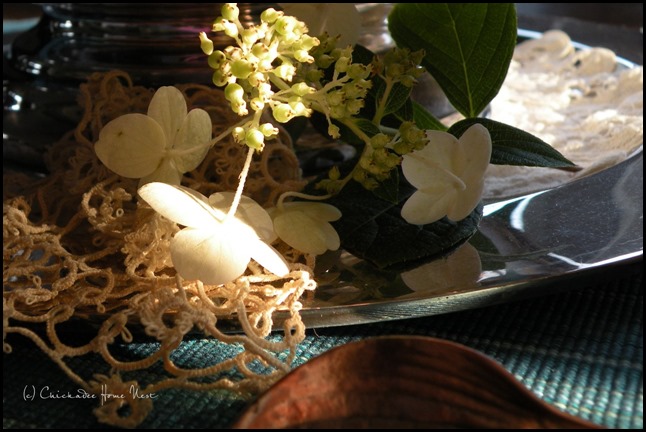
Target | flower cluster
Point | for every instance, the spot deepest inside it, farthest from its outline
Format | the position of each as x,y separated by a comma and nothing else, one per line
278,68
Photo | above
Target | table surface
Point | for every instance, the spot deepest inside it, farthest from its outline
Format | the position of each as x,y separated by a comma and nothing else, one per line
580,350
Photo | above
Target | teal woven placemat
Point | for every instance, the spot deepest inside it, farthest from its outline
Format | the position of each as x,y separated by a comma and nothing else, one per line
580,350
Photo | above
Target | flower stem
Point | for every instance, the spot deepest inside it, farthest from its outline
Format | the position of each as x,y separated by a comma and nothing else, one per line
284,195
243,179
175,152
382,103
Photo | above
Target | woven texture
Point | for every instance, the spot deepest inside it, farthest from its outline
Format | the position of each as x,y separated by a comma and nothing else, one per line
580,350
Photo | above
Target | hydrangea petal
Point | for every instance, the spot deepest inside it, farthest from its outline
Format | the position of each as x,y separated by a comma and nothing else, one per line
467,202
337,19
180,204
213,256
332,240
296,229
475,145
168,109
249,212
423,208
316,210
268,257
131,145
194,132
166,172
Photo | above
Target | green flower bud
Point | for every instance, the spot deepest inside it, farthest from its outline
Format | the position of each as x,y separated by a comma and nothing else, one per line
270,15
255,139
241,69
342,64
238,134
216,58
334,132
314,75
302,89
358,71
206,44
285,71
379,141
285,25
308,42
230,11
303,56
230,29
259,50
249,36
219,79
334,173
234,93
324,61
354,106
268,130
283,113
335,98
257,104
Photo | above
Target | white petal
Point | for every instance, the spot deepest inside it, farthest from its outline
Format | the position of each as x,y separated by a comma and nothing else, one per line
300,232
423,168
334,18
165,173
249,212
268,257
193,136
466,201
424,176
168,109
332,240
181,205
316,210
212,256
422,208
475,150
131,145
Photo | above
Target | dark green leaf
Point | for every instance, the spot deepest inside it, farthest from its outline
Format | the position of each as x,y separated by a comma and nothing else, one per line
406,112
397,97
389,189
512,146
425,120
468,46
373,229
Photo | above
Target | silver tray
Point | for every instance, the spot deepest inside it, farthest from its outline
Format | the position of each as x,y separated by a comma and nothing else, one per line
544,242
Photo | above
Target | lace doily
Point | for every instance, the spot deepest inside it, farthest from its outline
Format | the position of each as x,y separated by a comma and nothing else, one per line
582,102
79,247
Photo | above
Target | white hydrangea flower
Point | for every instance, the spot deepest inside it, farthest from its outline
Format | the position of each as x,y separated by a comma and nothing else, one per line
159,146
214,248
337,19
306,227
448,174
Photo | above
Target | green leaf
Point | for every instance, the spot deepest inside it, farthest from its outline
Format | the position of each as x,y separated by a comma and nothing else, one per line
425,120
468,46
373,229
396,99
389,189
512,146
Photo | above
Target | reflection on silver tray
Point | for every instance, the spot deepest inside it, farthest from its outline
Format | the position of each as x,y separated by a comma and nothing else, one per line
523,246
